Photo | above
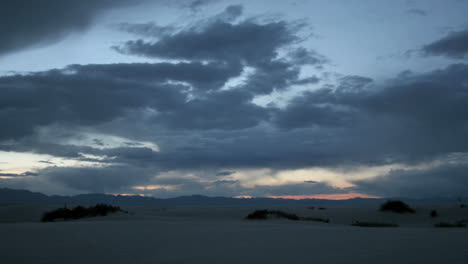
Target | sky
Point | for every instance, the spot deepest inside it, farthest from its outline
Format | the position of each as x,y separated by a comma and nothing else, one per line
296,99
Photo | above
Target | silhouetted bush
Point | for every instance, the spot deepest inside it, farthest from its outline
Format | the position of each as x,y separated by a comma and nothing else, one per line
316,219
264,214
434,214
322,208
79,212
373,224
258,215
462,205
458,224
397,207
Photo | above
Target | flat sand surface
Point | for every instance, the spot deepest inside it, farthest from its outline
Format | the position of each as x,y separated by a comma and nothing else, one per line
221,235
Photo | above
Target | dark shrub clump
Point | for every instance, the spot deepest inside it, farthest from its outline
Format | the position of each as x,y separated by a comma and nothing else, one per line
316,219
79,212
434,214
397,207
264,214
373,224
258,215
458,224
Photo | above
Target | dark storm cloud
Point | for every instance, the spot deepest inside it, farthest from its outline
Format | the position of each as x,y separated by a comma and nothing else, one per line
208,76
83,98
25,23
228,110
454,45
412,117
273,75
301,112
199,124
409,119
443,181
248,41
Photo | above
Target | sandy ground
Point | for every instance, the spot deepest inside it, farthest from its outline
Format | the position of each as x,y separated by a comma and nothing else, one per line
221,235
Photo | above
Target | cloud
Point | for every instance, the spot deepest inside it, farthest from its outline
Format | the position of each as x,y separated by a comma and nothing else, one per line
97,180
83,98
196,5
248,43
225,173
199,109
25,174
220,41
448,180
454,45
186,186
149,29
227,110
409,118
25,23
416,11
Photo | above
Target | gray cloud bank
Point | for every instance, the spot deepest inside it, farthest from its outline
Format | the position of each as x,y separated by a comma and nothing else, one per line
202,125
454,45
26,23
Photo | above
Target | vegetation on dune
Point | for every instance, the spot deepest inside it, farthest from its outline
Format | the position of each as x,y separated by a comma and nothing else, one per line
458,224
373,224
434,214
397,207
79,212
316,219
266,214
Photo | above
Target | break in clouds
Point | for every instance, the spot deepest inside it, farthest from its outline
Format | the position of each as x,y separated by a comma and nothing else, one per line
232,104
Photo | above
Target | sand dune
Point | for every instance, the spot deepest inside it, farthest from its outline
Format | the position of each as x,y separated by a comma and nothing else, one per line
221,235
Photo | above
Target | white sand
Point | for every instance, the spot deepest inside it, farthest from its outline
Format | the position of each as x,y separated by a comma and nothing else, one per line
220,235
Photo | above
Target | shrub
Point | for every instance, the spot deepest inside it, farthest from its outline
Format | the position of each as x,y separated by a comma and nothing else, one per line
397,207
316,219
373,224
258,215
434,214
60,213
78,212
264,214
458,224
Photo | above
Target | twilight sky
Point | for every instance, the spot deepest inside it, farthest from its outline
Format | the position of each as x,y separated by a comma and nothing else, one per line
313,98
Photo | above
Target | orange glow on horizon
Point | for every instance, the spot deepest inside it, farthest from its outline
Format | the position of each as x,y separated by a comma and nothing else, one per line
335,196
243,197
128,194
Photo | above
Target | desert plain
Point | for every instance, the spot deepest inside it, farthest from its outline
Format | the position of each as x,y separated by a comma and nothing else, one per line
222,235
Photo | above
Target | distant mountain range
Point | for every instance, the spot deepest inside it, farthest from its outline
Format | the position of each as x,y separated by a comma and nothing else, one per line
10,196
